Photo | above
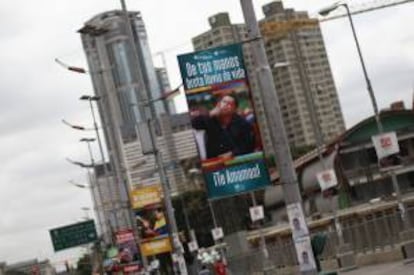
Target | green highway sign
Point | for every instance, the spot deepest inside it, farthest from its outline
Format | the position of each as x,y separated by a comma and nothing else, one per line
73,235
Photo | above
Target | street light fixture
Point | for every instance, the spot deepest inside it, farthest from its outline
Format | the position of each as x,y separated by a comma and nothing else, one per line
87,139
77,127
164,96
83,186
71,68
90,97
95,98
325,12
81,164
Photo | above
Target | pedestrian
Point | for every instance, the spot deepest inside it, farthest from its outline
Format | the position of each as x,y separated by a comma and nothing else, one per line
204,271
220,268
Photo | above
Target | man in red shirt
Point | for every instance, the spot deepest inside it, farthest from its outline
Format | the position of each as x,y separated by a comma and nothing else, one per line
220,268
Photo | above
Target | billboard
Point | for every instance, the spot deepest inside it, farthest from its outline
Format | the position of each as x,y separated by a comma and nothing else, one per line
127,247
224,121
145,196
151,220
156,247
152,223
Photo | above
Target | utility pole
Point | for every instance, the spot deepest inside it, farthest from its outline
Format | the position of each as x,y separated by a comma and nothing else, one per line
150,117
270,100
98,191
101,151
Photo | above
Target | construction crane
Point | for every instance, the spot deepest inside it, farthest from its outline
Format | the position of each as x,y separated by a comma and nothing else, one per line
276,29
367,7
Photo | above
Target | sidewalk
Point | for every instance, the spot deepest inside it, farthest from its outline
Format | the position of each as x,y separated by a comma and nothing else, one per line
384,269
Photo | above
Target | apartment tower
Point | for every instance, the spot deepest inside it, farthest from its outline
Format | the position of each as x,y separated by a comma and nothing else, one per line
300,65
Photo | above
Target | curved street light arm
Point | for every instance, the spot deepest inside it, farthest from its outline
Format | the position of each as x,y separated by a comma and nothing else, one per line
71,68
81,164
77,127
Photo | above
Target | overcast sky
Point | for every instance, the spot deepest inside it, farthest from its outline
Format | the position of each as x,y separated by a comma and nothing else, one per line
36,94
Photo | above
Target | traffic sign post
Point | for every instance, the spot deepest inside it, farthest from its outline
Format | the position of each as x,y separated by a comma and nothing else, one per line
73,235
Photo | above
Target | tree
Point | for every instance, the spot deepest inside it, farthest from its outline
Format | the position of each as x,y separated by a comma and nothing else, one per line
84,266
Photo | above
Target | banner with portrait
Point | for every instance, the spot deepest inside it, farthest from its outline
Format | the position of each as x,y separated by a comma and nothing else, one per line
127,246
305,255
297,220
151,221
224,121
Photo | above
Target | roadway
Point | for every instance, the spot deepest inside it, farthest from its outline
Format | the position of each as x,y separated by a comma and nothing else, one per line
397,268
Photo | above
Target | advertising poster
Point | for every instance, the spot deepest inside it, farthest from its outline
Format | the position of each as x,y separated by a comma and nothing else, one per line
297,220
256,213
151,220
224,121
327,179
305,255
156,247
145,196
127,247
217,233
388,151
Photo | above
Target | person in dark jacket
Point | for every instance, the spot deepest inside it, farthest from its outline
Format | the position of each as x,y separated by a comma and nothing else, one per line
227,133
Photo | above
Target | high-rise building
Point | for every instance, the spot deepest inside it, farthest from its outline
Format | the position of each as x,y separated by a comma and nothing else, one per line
110,56
223,32
124,77
300,65
164,84
124,84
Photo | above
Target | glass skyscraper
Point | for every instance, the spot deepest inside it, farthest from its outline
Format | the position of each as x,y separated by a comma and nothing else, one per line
124,84
107,47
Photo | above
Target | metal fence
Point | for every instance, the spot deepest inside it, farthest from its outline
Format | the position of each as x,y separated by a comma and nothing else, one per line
368,233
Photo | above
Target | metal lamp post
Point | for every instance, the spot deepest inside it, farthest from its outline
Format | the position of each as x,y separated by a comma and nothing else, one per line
92,185
324,12
146,95
273,114
88,141
91,99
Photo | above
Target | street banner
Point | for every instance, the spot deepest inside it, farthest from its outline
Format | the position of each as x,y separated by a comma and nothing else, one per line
305,255
224,121
152,223
127,246
156,247
151,220
297,220
327,179
387,149
145,196
217,233
131,268
192,246
256,213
